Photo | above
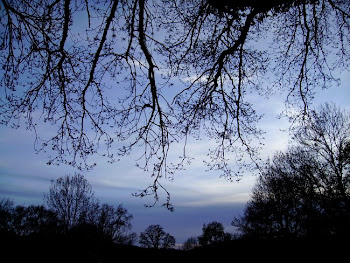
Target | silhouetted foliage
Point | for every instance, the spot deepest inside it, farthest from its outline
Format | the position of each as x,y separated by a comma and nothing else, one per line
115,224
35,220
24,221
282,199
326,136
96,68
214,232
72,199
155,237
305,191
6,211
74,213
190,243
75,217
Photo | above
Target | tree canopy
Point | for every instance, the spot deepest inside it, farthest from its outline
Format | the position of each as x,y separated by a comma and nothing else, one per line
72,201
149,74
213,233
71,198
155,237
305,191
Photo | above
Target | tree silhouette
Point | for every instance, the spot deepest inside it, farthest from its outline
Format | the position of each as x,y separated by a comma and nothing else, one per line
6,211
283,199
155,237
71,198
35,220
190,243
37,234
101,72
214,232
115,223
304,192
326,134
25,221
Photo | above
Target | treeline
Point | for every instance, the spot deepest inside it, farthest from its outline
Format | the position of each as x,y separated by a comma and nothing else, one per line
73,215
71,210
301,194
304,192
74,226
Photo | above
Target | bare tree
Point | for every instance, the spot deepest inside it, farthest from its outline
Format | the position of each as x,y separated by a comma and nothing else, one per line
115,224
326,136
285,197
190,243
103,71
71,198
6,211
212,233
305,191
155,237
25,221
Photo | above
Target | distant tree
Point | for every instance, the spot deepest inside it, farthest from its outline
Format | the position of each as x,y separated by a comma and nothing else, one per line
168,241
93,68
6,214
71,198
214,232
25,221
35,220
305,191
190,243
115,224
155,237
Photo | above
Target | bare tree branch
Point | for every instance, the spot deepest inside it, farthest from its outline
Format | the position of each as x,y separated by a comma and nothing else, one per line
101,72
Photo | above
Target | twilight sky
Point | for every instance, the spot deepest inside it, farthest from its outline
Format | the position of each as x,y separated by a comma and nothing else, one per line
198,196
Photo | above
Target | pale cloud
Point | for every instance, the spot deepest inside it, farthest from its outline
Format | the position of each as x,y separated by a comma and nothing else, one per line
217,200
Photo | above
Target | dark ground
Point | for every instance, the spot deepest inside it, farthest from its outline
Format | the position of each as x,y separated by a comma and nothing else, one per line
63,249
